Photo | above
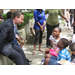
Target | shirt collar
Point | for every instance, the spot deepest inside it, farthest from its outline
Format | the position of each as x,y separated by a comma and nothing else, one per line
14,24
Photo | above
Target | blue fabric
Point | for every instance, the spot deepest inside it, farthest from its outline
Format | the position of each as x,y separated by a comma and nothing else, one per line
64,55
15,41
40,17
15,31
53,61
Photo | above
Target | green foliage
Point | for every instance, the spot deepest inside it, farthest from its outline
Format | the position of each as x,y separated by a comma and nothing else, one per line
27,17
4,17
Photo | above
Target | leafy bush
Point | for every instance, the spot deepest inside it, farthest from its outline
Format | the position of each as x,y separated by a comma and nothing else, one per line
27,17
4,17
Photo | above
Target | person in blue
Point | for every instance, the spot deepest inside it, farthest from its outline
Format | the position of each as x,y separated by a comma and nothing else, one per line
63,53
39,17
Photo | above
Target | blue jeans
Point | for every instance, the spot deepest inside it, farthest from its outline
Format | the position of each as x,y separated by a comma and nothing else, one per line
53,61
16,43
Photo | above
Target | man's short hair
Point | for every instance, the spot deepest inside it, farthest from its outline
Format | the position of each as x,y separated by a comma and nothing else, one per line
17,13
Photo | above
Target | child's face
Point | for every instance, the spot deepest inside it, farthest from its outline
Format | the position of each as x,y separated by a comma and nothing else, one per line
59,44
56,31
53,34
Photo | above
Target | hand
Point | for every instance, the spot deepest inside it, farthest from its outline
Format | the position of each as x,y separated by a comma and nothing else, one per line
41,28
21,38
73,23
67,21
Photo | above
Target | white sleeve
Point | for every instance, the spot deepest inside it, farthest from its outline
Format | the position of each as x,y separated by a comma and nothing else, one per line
50,38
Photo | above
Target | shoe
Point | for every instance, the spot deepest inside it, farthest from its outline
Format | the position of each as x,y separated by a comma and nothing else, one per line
29,60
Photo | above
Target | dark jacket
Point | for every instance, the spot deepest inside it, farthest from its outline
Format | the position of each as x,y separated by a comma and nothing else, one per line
6,33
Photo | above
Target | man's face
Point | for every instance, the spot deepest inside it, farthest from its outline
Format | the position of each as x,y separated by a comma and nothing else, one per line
19,20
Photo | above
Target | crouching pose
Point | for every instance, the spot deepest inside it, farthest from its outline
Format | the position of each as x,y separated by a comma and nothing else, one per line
7,47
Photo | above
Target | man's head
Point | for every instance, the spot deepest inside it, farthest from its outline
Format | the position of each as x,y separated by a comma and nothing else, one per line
18,17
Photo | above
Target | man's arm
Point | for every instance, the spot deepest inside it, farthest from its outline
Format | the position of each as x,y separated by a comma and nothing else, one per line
4,32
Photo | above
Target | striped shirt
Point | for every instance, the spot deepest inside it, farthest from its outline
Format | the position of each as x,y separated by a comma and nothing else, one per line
64,55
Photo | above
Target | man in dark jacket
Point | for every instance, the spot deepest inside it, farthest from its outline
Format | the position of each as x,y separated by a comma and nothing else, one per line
7,47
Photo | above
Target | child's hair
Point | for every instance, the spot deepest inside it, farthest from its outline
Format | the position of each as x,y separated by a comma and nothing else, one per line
72,46
58,29
52,30
65,42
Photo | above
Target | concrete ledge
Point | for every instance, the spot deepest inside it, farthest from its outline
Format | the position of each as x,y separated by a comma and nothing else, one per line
26,30
5,60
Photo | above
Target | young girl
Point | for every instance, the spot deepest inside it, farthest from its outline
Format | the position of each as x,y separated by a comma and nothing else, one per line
57,32
52,38
54,50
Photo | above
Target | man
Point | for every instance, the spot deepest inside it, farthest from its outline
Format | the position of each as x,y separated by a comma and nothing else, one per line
9,16
7,47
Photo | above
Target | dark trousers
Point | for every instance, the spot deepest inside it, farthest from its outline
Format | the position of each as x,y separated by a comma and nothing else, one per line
16,54
74,29
71,18
38,35
49,32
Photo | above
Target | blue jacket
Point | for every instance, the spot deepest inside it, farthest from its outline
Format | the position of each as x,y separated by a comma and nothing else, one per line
40,17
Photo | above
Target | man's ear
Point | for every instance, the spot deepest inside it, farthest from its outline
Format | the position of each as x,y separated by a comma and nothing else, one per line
16,17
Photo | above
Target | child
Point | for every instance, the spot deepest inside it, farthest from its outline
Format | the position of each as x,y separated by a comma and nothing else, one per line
57,32
72,47
54,50
52,38
63,53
